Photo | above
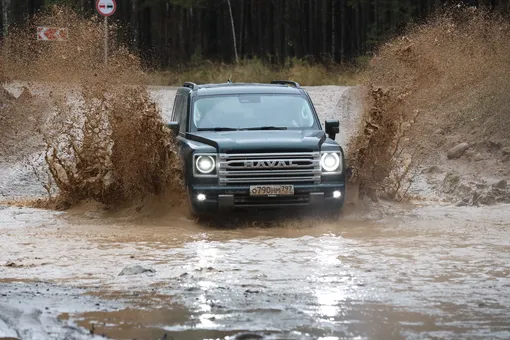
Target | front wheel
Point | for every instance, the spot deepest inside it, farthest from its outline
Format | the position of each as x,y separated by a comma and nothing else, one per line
332,210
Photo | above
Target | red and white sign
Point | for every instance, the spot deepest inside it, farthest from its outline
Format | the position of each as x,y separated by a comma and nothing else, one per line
106,7
51,33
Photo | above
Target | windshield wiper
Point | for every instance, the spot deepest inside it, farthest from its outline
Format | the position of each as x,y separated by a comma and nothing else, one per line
217,129
266,128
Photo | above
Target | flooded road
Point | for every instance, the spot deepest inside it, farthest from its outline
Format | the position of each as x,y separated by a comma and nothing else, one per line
408,272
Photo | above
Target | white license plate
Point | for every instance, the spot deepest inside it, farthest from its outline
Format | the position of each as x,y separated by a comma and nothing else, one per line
271,190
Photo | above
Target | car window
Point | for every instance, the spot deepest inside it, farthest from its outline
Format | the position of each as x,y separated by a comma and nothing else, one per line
183,113
176,108
253,110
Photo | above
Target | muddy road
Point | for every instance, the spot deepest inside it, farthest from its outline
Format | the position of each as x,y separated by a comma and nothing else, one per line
381,271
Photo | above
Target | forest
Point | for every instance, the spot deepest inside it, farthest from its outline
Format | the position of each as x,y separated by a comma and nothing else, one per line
170,32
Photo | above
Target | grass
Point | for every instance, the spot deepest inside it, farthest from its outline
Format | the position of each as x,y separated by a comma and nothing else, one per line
254,70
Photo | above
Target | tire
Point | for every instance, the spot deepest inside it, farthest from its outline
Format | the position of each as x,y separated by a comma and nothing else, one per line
333,210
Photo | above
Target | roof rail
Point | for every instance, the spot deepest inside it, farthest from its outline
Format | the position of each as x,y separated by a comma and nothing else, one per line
190,85
286,82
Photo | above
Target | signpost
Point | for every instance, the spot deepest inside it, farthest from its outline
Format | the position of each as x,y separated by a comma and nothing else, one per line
51,33
106,8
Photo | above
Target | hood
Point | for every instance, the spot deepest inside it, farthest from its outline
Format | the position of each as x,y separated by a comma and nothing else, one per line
256,141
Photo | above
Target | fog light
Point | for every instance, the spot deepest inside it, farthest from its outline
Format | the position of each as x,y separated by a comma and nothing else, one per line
201,197
337,194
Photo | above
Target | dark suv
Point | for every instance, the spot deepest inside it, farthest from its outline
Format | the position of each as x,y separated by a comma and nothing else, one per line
256,146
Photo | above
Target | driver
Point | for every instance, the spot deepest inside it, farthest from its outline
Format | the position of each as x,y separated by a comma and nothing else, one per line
204,106
292,113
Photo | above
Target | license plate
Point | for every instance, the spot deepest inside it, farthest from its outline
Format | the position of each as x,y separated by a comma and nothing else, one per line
271,190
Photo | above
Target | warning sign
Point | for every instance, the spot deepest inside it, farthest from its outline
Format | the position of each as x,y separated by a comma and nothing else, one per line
51,33
106,7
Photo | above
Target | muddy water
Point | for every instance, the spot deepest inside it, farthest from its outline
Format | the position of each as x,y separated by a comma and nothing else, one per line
433,272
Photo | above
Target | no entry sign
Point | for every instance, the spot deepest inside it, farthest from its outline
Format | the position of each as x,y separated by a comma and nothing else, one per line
106,7
51,33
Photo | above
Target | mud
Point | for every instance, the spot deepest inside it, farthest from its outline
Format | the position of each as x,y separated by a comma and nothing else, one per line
437,86
103,137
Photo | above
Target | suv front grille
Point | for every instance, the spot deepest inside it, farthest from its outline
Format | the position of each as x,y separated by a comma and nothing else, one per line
269,168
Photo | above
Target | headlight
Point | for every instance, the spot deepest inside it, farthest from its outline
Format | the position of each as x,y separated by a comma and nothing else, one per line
331,162
205,164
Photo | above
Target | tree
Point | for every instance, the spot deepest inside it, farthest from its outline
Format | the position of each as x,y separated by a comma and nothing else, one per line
5,10
233,31
174,32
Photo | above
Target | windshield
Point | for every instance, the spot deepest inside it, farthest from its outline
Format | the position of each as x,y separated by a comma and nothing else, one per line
252,111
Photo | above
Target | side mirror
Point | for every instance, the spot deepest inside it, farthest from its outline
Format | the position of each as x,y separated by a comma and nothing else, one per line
332,128
174,127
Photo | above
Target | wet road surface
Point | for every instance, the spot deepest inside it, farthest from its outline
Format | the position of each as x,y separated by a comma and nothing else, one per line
425,272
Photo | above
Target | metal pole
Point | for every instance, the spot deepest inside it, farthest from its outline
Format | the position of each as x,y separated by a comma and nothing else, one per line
106,40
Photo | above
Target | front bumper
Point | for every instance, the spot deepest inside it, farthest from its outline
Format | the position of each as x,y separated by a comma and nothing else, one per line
231,197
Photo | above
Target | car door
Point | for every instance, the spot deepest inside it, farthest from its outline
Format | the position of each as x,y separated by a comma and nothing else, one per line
180,115
184,108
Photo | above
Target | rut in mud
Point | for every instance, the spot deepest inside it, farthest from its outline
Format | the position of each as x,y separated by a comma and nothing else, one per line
104,137
441,84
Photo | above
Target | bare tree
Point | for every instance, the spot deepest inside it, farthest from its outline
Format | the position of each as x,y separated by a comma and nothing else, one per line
5,11
233,31
134,23
333,30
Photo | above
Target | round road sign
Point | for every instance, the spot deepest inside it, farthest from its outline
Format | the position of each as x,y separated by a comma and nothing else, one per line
106,7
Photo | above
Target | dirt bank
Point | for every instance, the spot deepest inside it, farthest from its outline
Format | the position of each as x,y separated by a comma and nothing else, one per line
435,124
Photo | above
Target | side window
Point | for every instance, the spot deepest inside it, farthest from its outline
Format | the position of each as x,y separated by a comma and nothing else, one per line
183,119
175,110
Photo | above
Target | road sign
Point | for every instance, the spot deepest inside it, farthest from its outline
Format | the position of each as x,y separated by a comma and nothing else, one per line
106,7
51,33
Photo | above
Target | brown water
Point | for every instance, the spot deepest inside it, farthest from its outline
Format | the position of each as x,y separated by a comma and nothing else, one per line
427,272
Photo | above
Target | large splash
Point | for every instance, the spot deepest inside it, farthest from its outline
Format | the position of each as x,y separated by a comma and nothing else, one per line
104,137
443,81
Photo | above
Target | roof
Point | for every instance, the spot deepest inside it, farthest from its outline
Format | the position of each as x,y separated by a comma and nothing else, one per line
243,88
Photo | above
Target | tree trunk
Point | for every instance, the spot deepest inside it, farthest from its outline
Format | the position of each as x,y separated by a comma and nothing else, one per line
333,33
342,31
311,46
233,30
134,24
323,16
5,11
276,32
242,29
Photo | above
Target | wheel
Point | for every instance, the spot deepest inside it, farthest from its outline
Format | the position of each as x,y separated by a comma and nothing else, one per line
333,210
